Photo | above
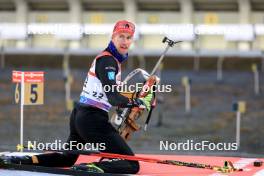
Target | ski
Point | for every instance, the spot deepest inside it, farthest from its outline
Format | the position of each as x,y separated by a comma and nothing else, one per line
51,170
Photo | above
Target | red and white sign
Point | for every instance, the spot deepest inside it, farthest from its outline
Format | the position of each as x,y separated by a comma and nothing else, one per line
29,77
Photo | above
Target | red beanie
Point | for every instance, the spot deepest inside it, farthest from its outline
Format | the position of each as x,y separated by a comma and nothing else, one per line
124,26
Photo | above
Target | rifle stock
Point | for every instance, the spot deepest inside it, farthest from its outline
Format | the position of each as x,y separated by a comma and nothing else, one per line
130,126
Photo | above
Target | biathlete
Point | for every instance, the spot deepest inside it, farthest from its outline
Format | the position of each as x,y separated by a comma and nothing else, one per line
89,121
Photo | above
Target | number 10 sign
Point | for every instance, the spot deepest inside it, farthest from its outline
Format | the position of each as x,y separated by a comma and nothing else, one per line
31,92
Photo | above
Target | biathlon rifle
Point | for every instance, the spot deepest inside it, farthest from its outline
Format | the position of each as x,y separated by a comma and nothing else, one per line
126,119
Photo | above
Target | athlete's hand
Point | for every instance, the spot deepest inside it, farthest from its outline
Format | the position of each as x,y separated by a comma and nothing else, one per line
144,102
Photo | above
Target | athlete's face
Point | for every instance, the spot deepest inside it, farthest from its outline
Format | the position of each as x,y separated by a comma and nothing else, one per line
122,42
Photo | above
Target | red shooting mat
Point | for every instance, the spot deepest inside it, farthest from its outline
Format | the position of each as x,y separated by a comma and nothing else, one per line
169,170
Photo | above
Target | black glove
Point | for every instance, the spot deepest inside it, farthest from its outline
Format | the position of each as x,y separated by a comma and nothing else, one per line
144,102
137,102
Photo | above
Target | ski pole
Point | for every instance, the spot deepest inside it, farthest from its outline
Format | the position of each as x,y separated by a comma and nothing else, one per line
227,168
